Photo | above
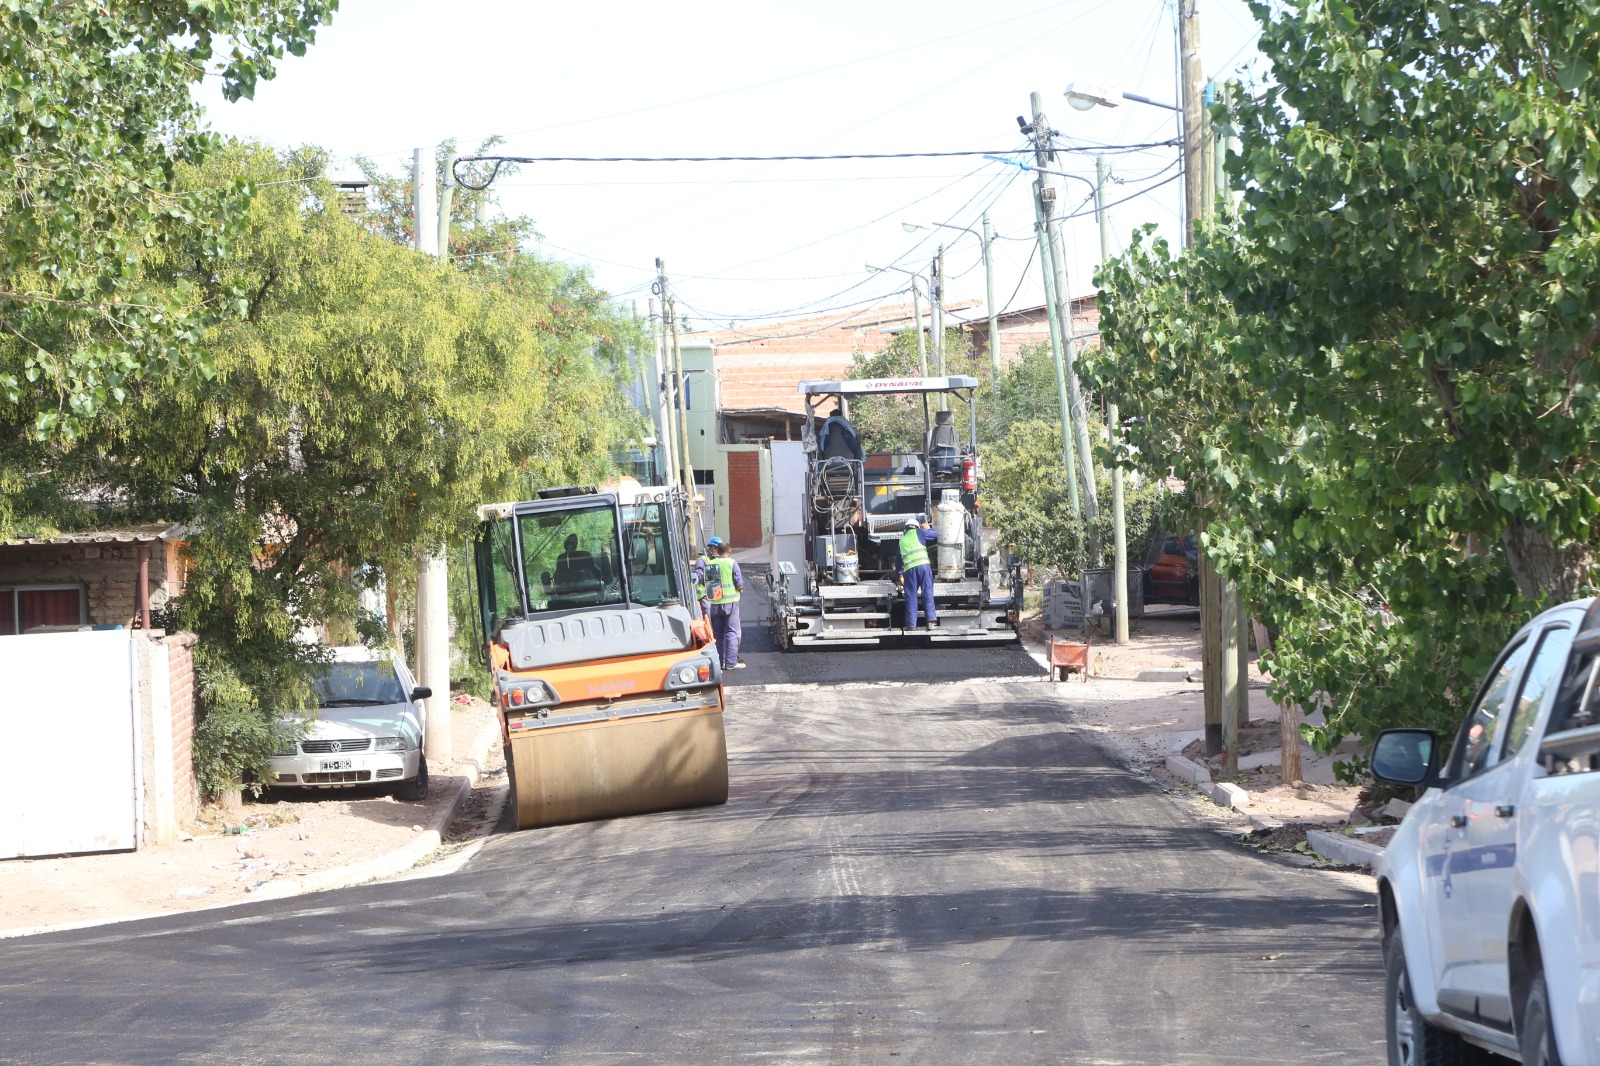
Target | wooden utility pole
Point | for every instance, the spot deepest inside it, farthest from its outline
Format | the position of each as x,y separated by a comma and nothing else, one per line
1194,124
1216,620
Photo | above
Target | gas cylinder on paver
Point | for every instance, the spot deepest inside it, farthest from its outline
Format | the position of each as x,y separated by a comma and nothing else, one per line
950,523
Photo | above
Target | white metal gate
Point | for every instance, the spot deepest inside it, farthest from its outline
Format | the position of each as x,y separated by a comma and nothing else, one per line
68,728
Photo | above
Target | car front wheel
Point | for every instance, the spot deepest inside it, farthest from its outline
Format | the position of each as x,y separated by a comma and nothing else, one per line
1411,1040
415,790
1538,1041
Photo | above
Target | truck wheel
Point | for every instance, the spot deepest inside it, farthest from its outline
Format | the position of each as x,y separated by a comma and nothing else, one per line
1538,1039
1411,1040
416,789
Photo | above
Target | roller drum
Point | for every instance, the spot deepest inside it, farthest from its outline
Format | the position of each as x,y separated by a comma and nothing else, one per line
620,766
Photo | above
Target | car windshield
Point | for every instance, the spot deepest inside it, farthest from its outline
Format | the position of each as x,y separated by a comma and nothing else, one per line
357,684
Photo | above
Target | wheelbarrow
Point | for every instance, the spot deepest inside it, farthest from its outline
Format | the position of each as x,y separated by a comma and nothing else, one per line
1067,656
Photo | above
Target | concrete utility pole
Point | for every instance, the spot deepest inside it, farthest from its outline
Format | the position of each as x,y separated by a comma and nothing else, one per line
662,406
922,346
1119,527
994,312
936,297
1069,463
1058,256
433,573
680,408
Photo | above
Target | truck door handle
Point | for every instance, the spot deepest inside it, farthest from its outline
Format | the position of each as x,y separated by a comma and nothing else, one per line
1505,810
1458,821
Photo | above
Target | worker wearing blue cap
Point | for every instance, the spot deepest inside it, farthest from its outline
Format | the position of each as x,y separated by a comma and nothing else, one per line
724,582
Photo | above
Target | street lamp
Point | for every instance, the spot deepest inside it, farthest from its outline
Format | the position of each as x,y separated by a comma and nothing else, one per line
916,308
1087,97
985,239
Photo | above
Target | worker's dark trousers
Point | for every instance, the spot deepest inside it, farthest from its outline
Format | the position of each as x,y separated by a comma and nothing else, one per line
725,627
919,582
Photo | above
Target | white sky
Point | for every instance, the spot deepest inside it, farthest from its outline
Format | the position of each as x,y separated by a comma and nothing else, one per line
748,242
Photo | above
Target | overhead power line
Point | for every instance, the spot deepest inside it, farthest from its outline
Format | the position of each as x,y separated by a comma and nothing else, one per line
501,160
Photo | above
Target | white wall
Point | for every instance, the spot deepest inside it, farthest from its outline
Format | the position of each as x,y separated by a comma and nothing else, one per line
69,730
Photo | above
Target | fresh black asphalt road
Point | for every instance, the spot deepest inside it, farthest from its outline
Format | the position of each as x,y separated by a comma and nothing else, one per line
940,873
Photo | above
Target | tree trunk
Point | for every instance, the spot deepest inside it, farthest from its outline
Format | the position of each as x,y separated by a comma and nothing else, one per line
1544,572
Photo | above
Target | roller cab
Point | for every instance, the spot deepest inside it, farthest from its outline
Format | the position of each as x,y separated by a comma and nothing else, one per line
606,678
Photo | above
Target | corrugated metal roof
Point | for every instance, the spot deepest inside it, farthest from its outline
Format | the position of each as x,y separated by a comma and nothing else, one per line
147,533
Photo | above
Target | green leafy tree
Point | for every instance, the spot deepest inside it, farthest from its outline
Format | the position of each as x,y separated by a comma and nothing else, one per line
96,120
896,423
1381,372
1026,499
358,411
481,235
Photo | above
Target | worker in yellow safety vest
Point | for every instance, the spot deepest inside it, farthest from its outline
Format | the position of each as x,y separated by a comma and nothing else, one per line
724,583
913,565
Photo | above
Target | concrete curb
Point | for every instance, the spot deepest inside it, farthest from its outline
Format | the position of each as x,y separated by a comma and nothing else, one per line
396,861
1340,848
1187,769
1222,793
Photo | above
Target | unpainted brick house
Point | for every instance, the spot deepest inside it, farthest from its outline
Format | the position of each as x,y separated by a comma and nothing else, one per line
109,577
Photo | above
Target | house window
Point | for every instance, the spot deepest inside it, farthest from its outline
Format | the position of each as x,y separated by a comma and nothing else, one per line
40,605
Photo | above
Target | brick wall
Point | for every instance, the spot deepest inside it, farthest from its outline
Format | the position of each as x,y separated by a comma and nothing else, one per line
180,672
744,499
109,573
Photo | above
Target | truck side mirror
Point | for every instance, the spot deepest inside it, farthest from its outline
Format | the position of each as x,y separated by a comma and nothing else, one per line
421,692
1404,756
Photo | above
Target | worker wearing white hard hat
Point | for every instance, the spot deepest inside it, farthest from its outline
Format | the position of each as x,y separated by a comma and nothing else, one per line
914,565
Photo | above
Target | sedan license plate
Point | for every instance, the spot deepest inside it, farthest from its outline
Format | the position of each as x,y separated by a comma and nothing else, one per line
336,764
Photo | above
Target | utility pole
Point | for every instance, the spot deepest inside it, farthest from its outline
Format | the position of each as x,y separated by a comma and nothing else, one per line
1058,256
936,297
669,312
1069,463
994,312
662,403
922,346
1119,527
1194,203
1226,684
433,572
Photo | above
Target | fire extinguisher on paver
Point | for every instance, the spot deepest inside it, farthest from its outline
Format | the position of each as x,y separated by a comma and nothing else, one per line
969,474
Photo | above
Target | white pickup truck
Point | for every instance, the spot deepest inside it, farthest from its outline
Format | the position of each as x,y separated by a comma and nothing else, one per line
1490,889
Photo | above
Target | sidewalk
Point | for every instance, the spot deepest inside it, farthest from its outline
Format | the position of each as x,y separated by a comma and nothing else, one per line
307,841
1138,701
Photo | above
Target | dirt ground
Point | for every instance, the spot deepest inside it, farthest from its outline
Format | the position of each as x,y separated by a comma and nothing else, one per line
228,855
1146,721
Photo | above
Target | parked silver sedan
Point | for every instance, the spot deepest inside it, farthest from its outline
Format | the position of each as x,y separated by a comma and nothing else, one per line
368,730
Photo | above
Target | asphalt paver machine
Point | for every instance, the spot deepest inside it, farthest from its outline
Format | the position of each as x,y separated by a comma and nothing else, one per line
841,589
605,675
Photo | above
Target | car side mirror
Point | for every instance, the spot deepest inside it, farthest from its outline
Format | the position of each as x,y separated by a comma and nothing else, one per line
1404,756
421,692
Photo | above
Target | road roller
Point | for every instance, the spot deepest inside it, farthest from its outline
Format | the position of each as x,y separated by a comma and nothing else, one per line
606,676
